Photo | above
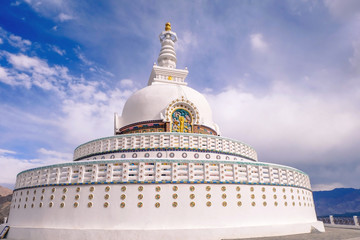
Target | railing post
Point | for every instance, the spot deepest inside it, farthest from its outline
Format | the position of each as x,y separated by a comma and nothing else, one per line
356,221
331,220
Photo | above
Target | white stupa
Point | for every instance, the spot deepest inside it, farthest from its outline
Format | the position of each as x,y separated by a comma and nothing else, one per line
165,174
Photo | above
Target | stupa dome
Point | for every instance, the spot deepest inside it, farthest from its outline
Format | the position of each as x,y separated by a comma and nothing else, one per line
152,102
166,104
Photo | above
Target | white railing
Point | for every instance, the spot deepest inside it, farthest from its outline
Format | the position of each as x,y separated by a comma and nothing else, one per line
162,170
164,141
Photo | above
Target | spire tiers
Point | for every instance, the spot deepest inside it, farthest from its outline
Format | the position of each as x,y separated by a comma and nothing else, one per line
165,71
167,56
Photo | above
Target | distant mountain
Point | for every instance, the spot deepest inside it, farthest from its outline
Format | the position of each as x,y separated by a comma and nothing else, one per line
5,191
5,201
340,201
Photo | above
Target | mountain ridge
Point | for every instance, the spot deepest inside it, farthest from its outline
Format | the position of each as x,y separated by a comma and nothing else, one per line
339,201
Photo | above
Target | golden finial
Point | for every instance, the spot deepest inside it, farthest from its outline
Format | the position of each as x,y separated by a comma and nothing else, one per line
167,26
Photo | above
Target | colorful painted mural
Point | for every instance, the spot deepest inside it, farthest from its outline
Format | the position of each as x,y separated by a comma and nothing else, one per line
181,121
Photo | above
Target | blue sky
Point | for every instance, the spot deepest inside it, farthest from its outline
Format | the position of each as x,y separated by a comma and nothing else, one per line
282,76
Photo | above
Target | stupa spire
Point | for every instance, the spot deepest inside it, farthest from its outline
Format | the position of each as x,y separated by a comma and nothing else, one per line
167,56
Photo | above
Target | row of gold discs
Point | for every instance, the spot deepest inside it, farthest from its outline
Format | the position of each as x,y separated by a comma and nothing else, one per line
157,197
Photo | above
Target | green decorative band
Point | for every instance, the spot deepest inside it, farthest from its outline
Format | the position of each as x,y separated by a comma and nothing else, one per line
163,149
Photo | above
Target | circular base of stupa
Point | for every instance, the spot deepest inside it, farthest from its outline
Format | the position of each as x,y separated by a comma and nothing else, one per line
168,234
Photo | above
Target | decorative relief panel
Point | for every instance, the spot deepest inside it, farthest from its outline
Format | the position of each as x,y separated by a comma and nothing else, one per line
181,121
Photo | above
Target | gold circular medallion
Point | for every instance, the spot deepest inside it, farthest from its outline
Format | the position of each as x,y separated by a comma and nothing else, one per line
192,204
157,196
50,204
239,203
208,188
223,188
157,205
92,189
77,197
76,204
140,196
223,196
62,205
107,196
208,196
238,188
89,204
174,204
123,196
252,189
64,190
122,204
253,204
192,196
91,196
158,189
208,203
140,188
106,204
192,188
107,189
264,203
123,188
224,204
175,196
140,204
78,189
63,197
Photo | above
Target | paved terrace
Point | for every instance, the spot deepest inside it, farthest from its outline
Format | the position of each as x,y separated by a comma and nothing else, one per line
331,233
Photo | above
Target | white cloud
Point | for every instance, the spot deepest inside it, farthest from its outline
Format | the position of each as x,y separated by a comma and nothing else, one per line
28,71
327,187
343,9
84,120
65,17
55,154
11,165
287,127
18,42
16,3
13,78
355,59
59,51
125,83
257,42
5,151
1,41
33,64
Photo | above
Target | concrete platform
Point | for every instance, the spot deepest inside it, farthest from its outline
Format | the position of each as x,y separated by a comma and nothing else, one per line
331,233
